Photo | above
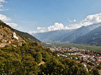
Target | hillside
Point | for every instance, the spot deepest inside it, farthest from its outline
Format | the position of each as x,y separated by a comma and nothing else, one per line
8,37
92,38
65,35
19,55
12,37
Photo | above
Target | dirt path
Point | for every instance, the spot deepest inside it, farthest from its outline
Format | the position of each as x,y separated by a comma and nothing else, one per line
41,63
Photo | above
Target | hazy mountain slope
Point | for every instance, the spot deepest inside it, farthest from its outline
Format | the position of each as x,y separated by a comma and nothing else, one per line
92,38
79,32
51,36
66,35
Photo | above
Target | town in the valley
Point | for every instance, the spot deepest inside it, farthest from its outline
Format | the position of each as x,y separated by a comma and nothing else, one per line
86,57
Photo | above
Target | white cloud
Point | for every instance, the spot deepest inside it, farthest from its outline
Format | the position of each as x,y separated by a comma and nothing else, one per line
39,31
41,28
3,9
7,20
4,18
72,20
93,18
1,5
56,26
90,19
2,1
31,32
12,24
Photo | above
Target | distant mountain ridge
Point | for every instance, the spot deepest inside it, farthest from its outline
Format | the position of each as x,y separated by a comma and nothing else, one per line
65,35
92,38
51,36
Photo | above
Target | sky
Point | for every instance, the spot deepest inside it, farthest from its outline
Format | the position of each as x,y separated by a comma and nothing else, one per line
35,16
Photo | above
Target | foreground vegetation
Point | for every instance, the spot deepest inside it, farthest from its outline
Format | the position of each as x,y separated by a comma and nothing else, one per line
27,60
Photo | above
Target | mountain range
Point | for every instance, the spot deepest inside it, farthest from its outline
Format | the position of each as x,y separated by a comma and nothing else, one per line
70,36
92,38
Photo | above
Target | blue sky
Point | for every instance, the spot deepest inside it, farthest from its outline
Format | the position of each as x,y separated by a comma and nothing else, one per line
49,15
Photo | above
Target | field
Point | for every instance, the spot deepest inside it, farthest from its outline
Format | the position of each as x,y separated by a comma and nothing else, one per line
80,46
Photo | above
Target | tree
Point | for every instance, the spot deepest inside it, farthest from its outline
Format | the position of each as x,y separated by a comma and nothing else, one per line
45,56
53,67
38,57
95,72
99,67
